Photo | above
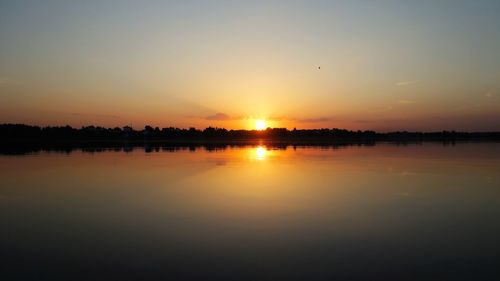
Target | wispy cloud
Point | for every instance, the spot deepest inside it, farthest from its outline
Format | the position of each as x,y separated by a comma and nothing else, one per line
94,115
295,119
280,118
406,101
362,121
406,83
218,116
384,109
315,120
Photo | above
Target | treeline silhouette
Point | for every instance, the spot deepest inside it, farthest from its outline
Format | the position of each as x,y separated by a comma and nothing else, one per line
20,133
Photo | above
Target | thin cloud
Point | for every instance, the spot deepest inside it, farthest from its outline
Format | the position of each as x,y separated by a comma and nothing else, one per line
364,121
95,115
406,83
222,117
218,116
281,118
408,173
301,120
406,101
193,108
384,109
315,120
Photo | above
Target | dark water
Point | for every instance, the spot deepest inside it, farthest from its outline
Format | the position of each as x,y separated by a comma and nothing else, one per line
416,212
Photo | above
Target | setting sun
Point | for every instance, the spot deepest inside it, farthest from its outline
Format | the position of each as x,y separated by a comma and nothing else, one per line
260,124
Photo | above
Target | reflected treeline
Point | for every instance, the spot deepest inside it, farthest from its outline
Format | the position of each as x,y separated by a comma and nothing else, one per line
19,138
68,148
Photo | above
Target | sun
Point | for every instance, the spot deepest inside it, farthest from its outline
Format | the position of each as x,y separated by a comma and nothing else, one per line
260,124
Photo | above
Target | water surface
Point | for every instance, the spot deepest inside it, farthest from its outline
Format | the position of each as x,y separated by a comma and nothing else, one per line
414,212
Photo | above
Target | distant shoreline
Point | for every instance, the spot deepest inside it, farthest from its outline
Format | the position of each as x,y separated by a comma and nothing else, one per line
26,135
22,139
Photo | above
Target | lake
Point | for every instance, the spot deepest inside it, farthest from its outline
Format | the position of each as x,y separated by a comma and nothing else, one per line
393,212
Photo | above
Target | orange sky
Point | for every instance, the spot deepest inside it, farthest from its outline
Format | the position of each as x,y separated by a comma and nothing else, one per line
399,66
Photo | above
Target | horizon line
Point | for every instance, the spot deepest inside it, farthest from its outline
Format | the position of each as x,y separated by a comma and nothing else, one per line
145,128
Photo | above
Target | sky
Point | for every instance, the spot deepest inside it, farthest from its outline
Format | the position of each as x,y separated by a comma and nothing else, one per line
378,65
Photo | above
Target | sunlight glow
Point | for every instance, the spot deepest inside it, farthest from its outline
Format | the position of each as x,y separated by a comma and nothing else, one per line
260,124
260,153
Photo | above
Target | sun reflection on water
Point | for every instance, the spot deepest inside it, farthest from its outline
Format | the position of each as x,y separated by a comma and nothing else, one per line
260,153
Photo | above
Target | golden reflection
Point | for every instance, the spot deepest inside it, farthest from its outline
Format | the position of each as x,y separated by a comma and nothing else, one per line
260,153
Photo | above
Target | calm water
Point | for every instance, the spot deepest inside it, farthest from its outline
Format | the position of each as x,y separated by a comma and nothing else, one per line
416,212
